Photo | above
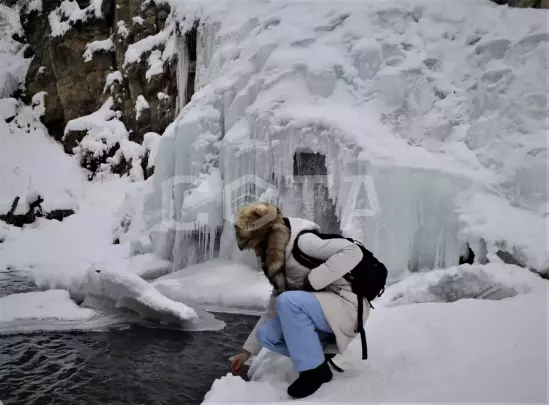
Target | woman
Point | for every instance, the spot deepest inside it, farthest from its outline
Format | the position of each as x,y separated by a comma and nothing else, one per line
311,311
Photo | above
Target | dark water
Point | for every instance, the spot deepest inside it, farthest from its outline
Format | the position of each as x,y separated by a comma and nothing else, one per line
131,366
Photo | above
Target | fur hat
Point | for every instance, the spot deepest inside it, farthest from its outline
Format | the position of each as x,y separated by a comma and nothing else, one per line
262,224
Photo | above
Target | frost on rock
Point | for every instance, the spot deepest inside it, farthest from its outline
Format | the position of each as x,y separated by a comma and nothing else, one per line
69,12
98,46
104,145
410,116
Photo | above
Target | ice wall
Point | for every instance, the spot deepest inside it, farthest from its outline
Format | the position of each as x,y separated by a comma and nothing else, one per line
414,105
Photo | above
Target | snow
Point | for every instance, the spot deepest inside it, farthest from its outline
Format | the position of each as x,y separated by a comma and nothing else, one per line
218,285
34,5
155,65
50,305
163,96
150,143
138,20
416,102
141,105
504,226
69,12
147,44
112,78
13,66
491,281
469,351
122,31
61,185
98,46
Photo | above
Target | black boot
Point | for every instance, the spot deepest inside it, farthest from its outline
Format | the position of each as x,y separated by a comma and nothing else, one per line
309,381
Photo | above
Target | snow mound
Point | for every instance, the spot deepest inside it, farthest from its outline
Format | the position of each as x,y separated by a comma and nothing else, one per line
474,351
60,185
492,281
218,285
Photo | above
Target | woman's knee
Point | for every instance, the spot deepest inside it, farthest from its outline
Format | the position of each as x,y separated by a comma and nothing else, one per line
268,333
293,299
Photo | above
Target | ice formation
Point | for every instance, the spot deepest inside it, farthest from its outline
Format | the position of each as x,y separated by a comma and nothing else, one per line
415,105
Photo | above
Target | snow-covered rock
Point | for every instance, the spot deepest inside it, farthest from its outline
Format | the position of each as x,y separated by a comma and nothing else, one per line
493,281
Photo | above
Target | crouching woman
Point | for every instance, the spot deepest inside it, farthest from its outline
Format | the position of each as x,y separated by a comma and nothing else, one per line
312,313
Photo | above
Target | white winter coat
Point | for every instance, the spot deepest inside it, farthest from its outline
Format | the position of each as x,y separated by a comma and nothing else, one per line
338,303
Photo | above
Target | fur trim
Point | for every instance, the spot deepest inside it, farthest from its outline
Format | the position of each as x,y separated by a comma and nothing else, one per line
262,224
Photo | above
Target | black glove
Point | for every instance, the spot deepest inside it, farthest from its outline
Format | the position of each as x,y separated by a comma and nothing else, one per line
307,285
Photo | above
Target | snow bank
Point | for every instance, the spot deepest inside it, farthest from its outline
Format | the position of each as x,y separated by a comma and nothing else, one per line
97,46
58,254
218,285
13,66
60,185
493,281
467,351
417,102
53,305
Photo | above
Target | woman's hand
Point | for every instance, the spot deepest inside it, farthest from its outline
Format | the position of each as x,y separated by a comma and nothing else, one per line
239,360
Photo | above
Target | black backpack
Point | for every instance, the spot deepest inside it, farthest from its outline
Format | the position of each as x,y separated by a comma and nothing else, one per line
367,279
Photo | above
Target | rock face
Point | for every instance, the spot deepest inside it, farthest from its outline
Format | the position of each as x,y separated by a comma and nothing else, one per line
80,63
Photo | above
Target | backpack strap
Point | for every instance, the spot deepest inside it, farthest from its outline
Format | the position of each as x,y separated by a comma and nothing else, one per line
360,327
301,257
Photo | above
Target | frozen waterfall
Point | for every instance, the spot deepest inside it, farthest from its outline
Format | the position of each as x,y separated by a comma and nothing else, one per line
219,155
343,122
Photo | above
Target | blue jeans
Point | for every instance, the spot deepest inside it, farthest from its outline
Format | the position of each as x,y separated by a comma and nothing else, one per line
298,330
